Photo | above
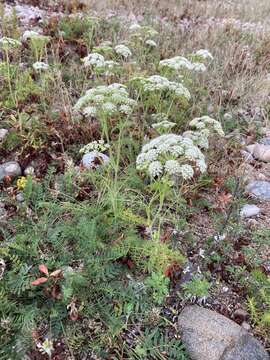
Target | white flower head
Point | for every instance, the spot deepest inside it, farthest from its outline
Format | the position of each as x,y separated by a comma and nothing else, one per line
123,50
171,155
39,65
207,123
151,43
204,54
9,43
94,59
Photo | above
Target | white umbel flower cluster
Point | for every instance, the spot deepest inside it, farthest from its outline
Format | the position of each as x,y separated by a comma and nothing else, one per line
171,155
179,62
99,145
39,65
108,100
35,36
151,43
163,126
9,43
98,63
204,54
205,127
157,83
123,51
207,124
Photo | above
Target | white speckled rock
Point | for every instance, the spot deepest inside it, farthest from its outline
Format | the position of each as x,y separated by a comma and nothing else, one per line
208,335
249,210
3,134
94,159
11,169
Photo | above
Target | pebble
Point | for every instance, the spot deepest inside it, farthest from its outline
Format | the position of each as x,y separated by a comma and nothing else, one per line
259,189
3,134
249,211
94,159
11,169
20,197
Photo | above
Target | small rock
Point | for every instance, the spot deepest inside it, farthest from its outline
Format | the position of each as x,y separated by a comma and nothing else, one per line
259,151
3,133
259,189
94,159
29,171
20,197
3,211
240,315
245,326
11,169
265,141
249,211
208,335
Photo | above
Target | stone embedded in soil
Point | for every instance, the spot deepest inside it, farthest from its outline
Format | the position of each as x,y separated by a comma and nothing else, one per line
249,211
208,335
11,169
94,159
259,189
265,141
3,134
259,151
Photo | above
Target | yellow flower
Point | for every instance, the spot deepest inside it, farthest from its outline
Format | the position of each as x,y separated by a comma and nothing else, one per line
21,182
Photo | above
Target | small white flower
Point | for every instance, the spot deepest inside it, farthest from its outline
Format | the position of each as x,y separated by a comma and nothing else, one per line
155,169
90,111
135,27
39,65
94,59
123,50
33,35
187,171
151,43
172,167
204,54
6,43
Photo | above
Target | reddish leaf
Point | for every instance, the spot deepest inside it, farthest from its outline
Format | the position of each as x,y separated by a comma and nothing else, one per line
43,268
56,273
39,281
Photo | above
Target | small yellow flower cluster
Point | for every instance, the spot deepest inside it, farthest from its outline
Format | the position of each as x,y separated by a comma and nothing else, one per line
21,182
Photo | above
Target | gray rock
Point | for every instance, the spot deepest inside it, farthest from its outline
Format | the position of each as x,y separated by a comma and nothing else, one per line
247,348
208,335
3,211
20,197
259,189
249,211
3,133
94,159
265,141
11,169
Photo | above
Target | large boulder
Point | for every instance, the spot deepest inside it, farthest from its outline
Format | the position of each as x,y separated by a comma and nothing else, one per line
208,335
